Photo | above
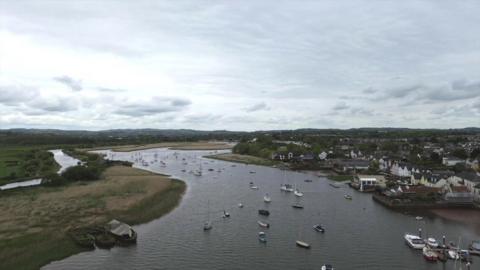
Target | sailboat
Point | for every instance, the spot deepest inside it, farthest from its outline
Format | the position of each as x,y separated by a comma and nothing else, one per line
301,243
225,214
285,187
208,224
267,198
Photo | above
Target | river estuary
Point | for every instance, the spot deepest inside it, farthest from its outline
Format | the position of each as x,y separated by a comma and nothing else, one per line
360,234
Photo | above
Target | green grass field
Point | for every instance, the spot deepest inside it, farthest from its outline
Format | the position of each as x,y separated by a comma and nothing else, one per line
23,162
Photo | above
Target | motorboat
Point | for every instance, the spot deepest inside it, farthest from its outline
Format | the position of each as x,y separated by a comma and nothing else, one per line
267,198
302,244
297,205
327,267
240,205
298,193
225,214
254,187
414,241
319,228
429,254
453,254
262,237
263,212
348,197
207,226
432,242
263,224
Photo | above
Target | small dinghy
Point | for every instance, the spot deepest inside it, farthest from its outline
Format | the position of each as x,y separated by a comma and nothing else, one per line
319,228
240,205
297,206
267,198
327,267
263,224
262,237
348,197
225,214
263,212
302,244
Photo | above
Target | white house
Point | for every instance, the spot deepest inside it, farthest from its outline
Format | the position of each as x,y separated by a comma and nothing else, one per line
322,156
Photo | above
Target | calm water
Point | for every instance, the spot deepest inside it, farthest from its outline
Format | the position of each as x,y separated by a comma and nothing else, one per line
64,160
360,234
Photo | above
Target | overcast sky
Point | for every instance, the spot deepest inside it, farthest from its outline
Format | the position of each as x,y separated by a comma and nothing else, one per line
239,65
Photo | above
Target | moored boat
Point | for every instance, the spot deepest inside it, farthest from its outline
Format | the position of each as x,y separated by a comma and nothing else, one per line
253,187
475,247
327,267
432,242
207,225
414,241
302,244
263,224
453,254
263,212
240,205
319,228
122,232
298,193
225,214
262,237
286,188
348,197
429,254
297,206
334,185
267,198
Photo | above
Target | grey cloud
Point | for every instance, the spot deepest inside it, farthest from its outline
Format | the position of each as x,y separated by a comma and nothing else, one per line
157,105
14,95
257,107
44,105
75,85
340,106
369,91
110,90
458,90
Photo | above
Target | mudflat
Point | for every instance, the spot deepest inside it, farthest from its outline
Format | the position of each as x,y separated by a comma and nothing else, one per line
201,145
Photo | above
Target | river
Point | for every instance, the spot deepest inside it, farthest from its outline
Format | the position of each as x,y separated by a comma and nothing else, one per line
360,234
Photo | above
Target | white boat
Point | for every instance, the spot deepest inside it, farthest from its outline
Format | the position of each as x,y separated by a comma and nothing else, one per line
262,237
254,187
432,242
286,188
240,205
327,267
263,224
429,254
453,254
418,218
414,241
267,198
225,214
298,193
302,244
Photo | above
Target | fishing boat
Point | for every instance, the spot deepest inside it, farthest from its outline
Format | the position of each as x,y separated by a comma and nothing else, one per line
263,224
432,242
225,214
302,244
298,193
327,267
429,254
267,198
263,212
319,228
297,205
414,241
348,197
262,237
453,254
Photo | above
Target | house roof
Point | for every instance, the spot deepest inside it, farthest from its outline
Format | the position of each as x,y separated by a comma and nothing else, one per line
355,163
470,176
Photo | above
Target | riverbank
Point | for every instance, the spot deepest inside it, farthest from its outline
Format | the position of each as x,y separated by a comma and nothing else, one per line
202,145
245,159
35,221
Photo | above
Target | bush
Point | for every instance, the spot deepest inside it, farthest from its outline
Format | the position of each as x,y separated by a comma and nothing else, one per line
54,180
81,173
